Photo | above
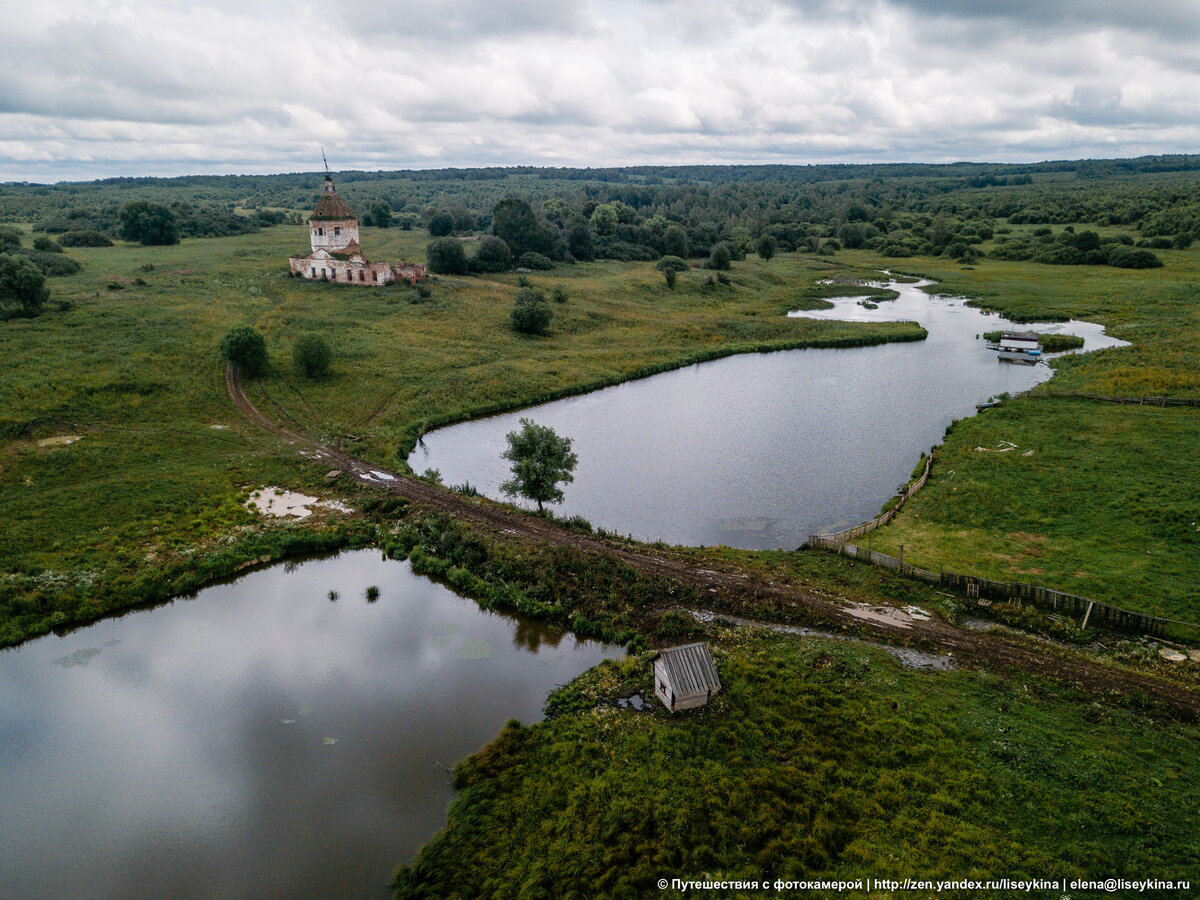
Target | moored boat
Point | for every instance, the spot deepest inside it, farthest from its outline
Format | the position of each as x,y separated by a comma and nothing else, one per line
1018,346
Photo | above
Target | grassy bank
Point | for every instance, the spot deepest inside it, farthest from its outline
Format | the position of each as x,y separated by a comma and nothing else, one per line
820,759
1098,500
119,450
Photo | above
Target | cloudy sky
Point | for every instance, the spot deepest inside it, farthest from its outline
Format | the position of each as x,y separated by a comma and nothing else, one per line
100,88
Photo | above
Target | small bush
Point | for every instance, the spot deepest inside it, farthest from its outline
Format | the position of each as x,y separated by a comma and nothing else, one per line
47,245
311,356
84,239
533,260
672,263
720,257
492,255
246,349
1124,258
53,264
530,313
446,256
559,294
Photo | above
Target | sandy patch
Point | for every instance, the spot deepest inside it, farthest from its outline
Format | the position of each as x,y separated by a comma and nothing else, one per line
61,440
885,615
276,502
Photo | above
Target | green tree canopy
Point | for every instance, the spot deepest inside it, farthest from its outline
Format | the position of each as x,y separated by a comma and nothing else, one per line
767,245
675,241
720,256
541,460
530,313
445,256
22,287
151,224
246,349
605,219
515,223
441,224
311,356
579,242
381,214
491,255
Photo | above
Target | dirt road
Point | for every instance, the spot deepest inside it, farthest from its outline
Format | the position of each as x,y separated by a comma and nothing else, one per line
984,650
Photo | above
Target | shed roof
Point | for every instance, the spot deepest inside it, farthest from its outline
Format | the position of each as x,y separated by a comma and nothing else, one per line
690,668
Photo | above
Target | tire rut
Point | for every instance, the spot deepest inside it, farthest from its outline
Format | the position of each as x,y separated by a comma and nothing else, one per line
739,591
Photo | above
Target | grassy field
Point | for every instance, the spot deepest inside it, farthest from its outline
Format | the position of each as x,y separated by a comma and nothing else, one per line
125,361
1098,499
819,759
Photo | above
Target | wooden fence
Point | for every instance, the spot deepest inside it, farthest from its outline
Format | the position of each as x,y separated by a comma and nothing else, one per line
859,530
1132,401
1094,613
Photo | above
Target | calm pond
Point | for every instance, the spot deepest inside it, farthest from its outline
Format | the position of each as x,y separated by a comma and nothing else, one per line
259,740
761,450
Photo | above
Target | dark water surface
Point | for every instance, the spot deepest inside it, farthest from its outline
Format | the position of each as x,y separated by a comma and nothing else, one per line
761,450
258,740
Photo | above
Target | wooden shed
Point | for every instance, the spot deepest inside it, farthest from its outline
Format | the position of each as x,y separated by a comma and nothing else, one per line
685,677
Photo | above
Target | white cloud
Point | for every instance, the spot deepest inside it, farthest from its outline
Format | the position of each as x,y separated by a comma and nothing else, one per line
162,88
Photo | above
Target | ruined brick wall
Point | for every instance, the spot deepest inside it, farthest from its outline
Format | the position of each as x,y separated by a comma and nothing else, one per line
332,234
342,272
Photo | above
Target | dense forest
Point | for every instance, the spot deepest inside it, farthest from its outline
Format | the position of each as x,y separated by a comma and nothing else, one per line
643,213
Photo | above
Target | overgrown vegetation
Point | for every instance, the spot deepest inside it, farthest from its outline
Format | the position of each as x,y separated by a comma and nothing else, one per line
819,759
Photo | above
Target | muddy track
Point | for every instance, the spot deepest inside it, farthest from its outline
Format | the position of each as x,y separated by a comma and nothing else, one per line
737,591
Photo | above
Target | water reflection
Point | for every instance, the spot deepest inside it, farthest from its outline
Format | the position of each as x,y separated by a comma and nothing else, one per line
258,740
761,450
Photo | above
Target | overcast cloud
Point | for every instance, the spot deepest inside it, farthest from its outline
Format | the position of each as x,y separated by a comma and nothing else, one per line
125,88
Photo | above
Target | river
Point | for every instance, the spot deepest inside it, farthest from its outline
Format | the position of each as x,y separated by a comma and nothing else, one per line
760,450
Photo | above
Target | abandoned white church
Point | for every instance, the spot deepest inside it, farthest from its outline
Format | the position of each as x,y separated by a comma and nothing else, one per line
336,255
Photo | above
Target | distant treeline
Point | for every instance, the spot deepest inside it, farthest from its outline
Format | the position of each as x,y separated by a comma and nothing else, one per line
897,209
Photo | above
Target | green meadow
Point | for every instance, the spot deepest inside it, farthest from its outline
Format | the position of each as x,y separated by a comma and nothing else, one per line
1098,499
124,365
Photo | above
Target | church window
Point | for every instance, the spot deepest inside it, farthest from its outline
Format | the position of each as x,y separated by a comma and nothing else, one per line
321,231
336,230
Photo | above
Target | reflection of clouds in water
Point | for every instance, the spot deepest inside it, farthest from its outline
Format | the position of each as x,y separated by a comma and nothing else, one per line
196,752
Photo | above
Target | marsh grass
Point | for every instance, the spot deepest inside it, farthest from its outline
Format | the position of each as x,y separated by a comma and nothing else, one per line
818,759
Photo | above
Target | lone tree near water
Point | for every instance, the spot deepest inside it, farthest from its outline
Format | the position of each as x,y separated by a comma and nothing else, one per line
541,460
